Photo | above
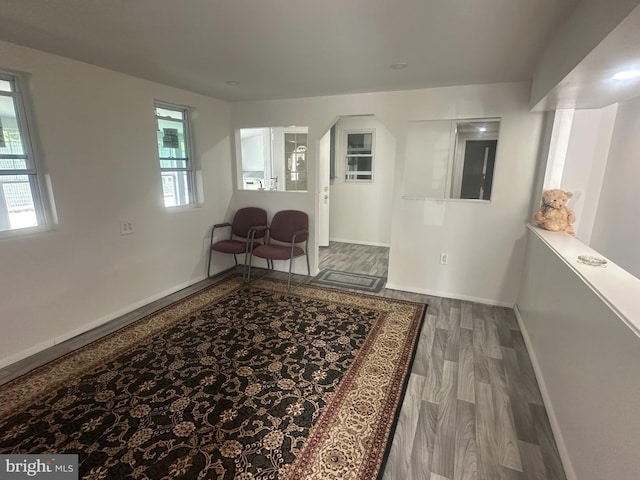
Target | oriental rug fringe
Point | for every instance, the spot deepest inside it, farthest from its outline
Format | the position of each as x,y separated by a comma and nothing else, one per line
233,382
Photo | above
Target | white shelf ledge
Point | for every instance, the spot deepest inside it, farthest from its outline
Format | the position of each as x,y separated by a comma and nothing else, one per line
619,289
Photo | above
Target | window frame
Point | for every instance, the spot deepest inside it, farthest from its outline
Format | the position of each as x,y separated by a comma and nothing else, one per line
271,159
297,156
248,182
33,166
354,173
459,149
189,168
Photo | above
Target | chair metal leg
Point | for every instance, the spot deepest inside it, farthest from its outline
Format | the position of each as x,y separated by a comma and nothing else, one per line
306,254
210,253
249,270
290,268
244,265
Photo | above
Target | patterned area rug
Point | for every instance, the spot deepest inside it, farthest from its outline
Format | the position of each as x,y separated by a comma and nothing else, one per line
356,281
233,382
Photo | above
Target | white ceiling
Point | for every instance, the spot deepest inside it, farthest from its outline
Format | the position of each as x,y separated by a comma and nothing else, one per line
288,49
590,83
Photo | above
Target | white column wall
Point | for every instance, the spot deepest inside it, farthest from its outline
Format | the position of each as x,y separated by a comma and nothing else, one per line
96,132
485,242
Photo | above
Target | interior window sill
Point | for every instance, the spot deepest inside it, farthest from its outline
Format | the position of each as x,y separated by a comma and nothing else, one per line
448,200
25,232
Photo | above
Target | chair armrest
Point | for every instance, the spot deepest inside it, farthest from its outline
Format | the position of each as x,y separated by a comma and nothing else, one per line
257,228
220,225
297,233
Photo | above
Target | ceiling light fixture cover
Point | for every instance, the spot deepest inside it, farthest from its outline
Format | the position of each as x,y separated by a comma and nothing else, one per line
232,82
399,66
626,74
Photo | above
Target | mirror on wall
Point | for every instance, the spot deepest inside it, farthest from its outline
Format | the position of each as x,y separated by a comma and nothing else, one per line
451,158
272,159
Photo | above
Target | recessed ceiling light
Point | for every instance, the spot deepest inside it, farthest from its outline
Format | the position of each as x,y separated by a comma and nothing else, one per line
626,74
232,82
399,66
483,129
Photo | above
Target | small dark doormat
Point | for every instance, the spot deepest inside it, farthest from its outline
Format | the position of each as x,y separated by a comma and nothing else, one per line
356,281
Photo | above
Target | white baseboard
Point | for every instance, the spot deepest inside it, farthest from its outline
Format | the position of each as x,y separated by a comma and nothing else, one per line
6,361
434,293
553,420
360,242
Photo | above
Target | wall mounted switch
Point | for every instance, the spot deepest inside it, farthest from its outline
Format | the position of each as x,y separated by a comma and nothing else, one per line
126,227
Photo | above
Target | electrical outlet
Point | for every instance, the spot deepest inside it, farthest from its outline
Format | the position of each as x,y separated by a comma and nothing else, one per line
126,227
444,258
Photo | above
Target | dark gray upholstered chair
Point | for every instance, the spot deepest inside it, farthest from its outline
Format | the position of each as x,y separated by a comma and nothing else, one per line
288,230
242,239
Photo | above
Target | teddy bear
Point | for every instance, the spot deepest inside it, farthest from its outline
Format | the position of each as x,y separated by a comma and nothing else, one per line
554,214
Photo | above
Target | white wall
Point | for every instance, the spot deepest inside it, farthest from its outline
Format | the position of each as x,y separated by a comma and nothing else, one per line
96,131
352,203
485,242
586,355
616,230
428,155
585,162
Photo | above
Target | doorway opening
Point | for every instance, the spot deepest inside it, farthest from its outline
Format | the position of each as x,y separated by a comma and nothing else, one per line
357,166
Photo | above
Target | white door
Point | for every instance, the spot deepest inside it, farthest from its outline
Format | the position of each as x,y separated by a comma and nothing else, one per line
324,190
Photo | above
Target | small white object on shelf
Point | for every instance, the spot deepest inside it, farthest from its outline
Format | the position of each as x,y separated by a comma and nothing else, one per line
592,261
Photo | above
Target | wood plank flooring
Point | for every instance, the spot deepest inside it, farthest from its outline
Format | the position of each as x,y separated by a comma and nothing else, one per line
354,258
472,409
